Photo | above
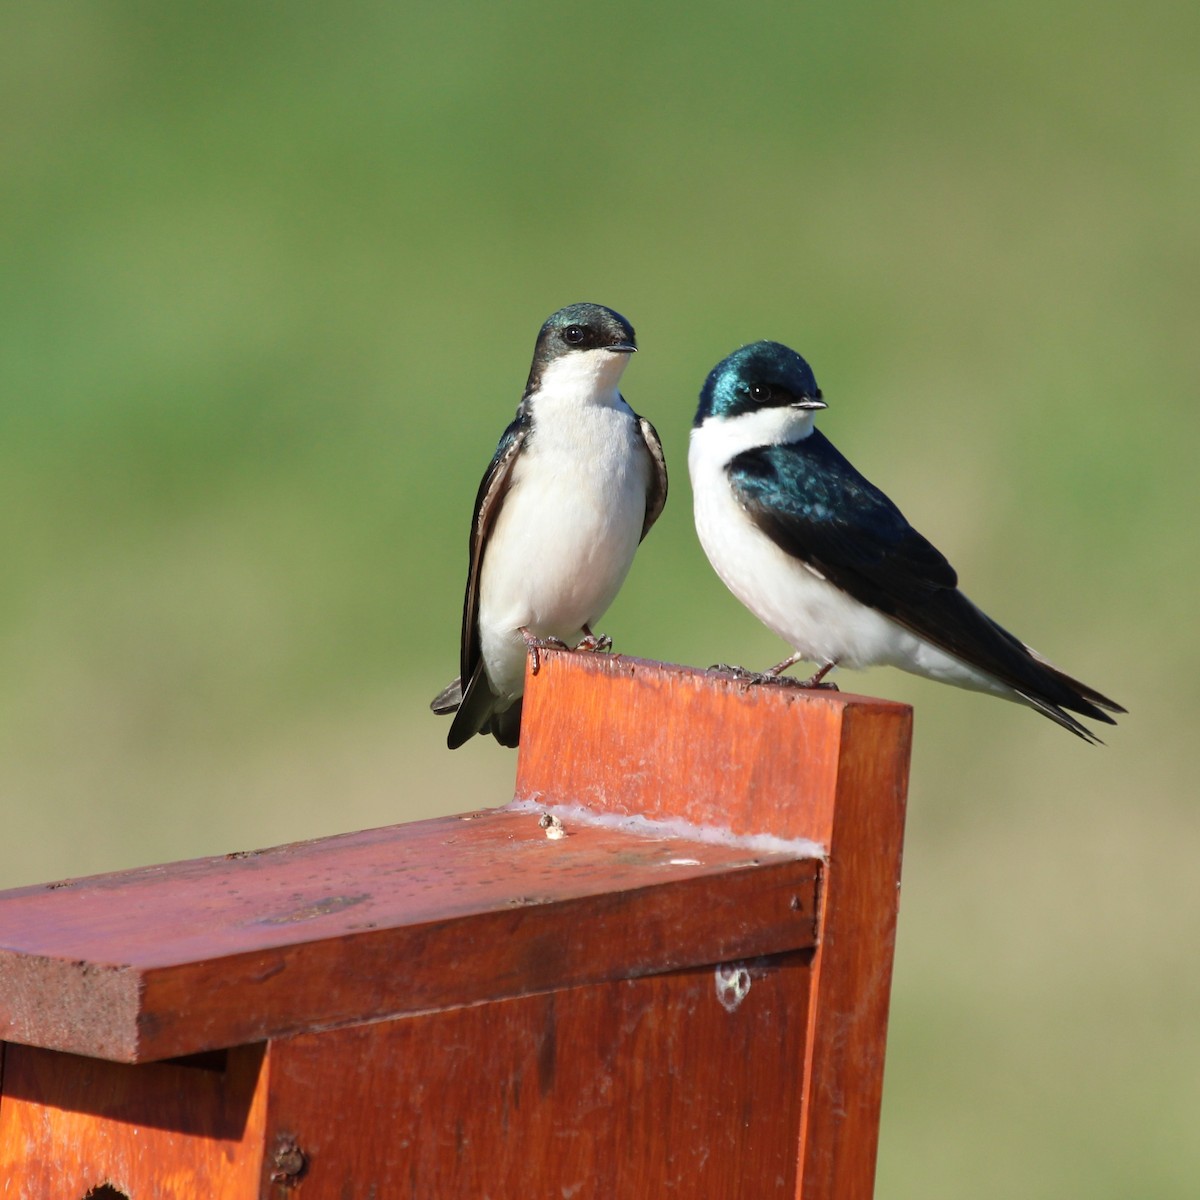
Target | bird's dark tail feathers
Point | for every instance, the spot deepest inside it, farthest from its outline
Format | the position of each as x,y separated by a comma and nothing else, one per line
1065,696
474,712
448,699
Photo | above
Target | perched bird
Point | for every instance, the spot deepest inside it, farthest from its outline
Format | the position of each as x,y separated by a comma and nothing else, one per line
575,484
826,561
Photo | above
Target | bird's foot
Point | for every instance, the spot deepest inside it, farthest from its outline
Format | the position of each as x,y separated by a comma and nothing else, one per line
743,674
816,681
594,643
774,675
534,645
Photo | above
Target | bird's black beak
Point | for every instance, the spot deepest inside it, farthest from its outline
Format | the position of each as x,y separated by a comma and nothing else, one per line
622,348
813,402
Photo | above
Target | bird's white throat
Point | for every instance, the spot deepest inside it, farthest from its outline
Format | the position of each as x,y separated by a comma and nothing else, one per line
723,438
582,377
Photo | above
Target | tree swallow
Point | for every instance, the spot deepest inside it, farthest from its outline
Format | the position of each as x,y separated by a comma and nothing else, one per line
575,484
828,563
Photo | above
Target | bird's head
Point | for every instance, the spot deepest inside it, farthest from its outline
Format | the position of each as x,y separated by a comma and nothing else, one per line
582,342
756,378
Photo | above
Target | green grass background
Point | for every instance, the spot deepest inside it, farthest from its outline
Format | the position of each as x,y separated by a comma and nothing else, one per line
269,281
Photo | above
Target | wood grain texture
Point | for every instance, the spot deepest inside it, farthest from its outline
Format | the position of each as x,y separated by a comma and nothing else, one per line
638,1088
853,966
174,960
622,735
465,1007
160,1131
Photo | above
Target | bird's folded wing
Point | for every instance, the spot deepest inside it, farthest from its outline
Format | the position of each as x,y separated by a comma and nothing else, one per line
809,500
488,502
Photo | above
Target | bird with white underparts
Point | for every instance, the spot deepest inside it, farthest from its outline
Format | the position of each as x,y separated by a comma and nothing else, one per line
575,484
828,563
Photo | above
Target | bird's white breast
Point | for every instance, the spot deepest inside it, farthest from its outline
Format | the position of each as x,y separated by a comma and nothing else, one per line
793,600
568,528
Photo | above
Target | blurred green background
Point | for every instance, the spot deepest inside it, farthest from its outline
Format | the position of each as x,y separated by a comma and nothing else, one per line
271,276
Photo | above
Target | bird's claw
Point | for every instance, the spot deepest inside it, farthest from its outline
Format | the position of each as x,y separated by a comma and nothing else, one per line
594,643
745,675
741,674
814,681
534,645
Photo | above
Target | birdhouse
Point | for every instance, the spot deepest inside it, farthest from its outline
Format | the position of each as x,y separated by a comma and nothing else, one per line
662,969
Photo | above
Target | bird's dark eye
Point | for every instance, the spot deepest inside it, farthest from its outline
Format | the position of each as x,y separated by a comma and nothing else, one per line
574,334
760,392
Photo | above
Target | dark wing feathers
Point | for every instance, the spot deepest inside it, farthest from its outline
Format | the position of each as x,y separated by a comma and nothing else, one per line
487,507
809,500
812,503
656,496
469,696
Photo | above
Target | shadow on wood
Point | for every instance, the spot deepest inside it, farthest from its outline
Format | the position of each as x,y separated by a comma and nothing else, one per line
685,993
